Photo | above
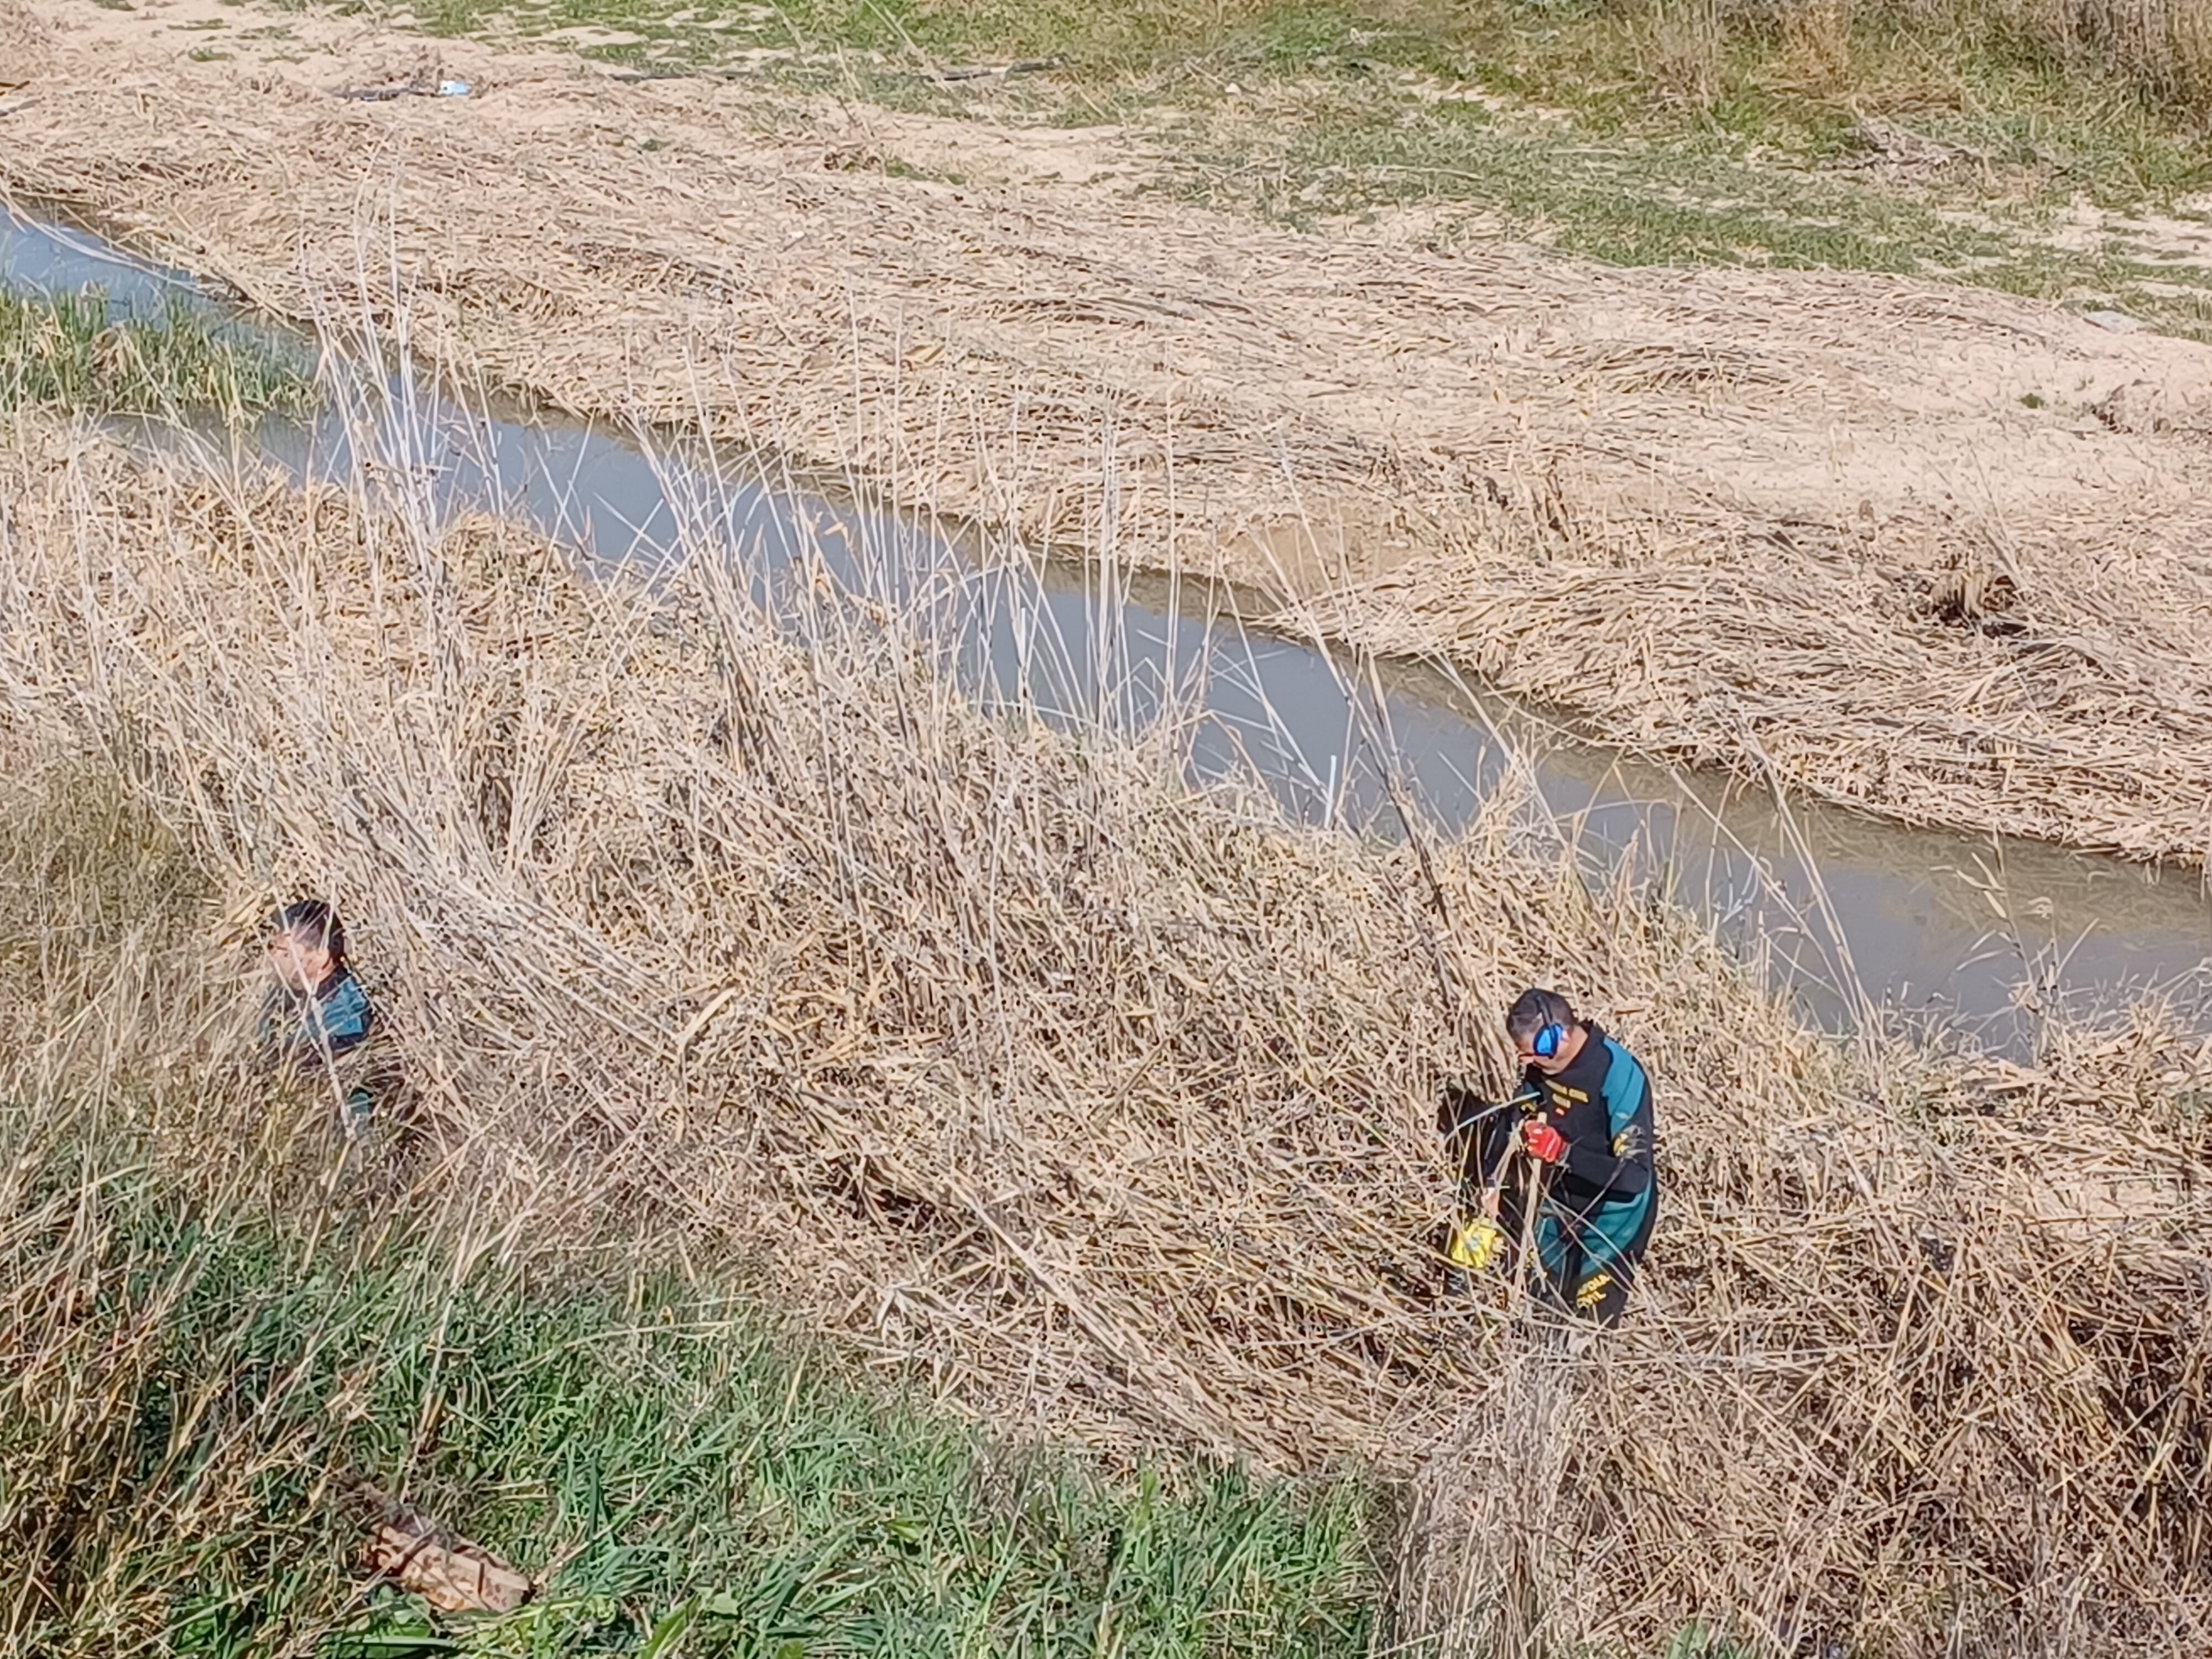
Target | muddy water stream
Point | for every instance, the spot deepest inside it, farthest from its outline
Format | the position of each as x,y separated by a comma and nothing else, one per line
1971,935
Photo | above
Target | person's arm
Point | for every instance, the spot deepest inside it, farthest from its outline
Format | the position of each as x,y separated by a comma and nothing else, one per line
1622,1166
1480,1133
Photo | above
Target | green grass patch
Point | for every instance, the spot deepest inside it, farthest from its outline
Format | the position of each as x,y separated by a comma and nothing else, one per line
72,351
187,1380
200,1342
1468,173
1637,132
1982,73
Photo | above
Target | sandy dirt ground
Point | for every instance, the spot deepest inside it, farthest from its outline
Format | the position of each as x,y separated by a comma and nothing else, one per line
1846,529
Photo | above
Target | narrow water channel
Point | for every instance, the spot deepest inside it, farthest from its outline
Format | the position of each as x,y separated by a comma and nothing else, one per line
1971,935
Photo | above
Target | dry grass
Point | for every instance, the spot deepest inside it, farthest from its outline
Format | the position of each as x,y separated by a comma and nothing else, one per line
2163,46
2161,49
1687,43
1107,1106
210,1331
1187,389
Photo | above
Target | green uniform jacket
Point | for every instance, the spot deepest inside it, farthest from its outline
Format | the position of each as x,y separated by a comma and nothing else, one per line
1602,1194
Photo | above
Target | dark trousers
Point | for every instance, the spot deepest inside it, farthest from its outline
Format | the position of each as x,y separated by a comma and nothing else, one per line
1571,1283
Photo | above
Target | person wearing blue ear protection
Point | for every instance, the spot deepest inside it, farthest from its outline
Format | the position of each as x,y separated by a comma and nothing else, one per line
1586,1119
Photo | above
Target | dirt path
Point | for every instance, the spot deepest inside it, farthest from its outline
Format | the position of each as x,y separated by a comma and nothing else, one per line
1933,550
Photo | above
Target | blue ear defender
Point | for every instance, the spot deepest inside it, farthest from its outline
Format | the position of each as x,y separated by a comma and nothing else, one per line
1546,1042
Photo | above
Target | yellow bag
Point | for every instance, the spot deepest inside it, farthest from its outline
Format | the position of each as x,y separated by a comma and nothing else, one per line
1476,1245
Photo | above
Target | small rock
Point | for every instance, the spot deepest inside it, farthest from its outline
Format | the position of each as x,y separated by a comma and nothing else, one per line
2115,322
1885,141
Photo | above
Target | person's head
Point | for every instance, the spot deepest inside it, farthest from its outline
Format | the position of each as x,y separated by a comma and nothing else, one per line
1546,1033
307,944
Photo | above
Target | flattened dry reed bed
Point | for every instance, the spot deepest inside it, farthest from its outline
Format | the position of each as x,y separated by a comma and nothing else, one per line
999,1053
2055,686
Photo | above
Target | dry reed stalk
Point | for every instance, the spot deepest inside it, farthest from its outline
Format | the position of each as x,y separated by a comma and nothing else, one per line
1107,1105
1687,40
2164,46
1187,391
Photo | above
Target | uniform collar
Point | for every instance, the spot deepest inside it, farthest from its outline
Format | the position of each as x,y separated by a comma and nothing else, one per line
1588,1070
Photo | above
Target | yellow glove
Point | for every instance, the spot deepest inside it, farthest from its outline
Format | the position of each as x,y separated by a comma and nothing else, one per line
1476,1245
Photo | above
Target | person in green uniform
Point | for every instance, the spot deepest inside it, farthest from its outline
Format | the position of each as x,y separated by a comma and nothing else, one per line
317,1018
1583,1115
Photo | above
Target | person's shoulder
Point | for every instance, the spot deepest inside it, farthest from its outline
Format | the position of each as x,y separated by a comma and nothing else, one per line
1624,1067
345,1009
